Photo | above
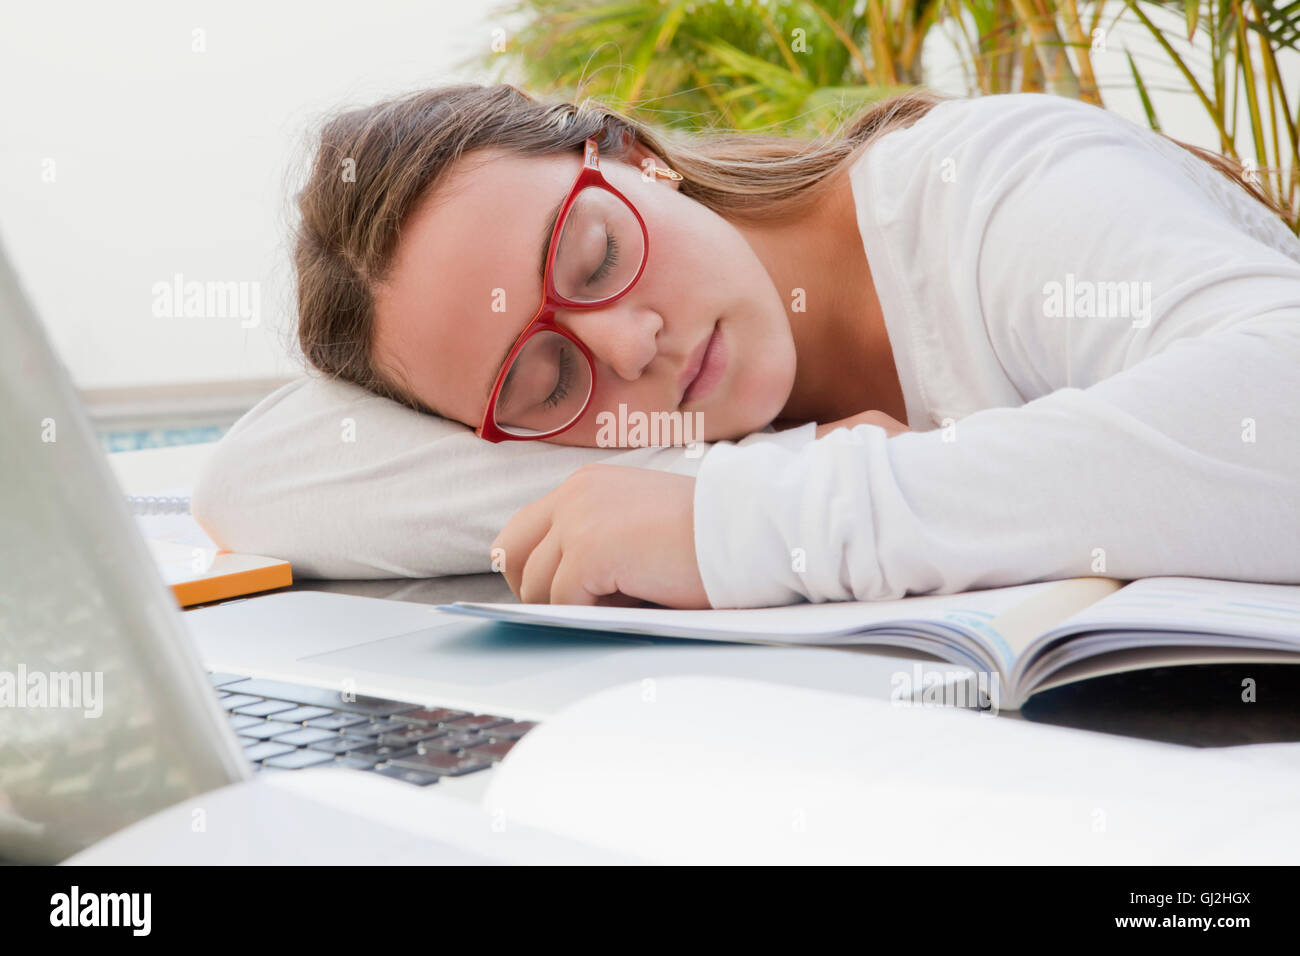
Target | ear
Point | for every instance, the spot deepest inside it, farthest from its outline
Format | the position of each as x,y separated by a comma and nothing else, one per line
645,160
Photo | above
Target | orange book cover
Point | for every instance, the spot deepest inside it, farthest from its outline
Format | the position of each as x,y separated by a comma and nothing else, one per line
199,575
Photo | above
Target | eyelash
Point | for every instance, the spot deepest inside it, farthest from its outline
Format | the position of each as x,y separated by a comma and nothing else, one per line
611,258
563,381
566,359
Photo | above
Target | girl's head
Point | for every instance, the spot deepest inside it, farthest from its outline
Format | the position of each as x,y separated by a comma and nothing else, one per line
425,219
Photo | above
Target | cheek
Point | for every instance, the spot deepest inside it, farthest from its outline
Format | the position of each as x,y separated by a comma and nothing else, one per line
645,395
608,395
636,397
770,374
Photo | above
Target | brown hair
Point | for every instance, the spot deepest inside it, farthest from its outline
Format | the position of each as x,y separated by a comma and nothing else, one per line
374,165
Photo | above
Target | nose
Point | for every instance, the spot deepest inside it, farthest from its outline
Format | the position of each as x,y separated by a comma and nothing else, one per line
623,337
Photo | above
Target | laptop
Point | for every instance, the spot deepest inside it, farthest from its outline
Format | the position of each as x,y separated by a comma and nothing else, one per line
114,705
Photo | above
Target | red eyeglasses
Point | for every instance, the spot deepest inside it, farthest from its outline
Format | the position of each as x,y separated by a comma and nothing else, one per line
598,250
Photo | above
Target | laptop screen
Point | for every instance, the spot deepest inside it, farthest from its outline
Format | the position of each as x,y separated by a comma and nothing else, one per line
105,713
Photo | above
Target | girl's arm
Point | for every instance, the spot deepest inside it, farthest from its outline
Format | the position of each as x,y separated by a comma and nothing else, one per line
1187,464
1159,442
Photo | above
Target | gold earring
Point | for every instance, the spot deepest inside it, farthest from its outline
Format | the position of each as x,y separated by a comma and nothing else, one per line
668,174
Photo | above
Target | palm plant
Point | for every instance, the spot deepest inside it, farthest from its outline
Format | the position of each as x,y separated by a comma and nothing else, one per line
1245,39
801,66
790,65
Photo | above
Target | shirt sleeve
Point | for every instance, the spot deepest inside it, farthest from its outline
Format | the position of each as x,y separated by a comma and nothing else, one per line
1167,443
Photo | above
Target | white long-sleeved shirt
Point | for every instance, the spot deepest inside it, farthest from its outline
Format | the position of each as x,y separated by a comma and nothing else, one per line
1098,341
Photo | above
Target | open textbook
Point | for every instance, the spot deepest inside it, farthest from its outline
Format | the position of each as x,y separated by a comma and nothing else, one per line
1028,638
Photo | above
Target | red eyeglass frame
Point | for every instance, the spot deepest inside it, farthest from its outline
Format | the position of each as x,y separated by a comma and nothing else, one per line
544,319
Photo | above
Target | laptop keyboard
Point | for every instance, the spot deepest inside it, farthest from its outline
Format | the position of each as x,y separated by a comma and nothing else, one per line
291,726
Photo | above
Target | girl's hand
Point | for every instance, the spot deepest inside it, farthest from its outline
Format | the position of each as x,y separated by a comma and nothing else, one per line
892,426
609,535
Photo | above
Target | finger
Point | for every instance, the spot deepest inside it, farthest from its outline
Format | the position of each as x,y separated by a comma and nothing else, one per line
569,586
539,569
518,539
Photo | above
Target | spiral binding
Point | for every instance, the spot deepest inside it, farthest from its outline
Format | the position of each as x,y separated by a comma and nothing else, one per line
150,505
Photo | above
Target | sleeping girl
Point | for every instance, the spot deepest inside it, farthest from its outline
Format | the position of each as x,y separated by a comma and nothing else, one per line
964,343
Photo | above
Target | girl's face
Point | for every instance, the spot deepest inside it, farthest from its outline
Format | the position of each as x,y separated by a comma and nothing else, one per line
466,280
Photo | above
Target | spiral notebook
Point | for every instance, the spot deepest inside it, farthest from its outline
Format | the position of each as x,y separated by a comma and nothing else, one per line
191,563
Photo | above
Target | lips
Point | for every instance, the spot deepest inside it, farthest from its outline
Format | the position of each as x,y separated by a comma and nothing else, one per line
705,369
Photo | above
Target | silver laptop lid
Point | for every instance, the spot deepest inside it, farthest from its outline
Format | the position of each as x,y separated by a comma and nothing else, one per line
105,713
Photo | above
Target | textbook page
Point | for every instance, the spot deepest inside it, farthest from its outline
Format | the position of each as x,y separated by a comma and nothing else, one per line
1164,622
1188,605
1002,620
697,770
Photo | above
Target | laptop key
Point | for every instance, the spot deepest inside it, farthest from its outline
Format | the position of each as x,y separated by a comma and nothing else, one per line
513,730
267,748
354,763
496,749
244,720
300,715
380,752
298,759
475,722
447,764
237,700
264,708
374,728
302,736
337,745
451,742
335,721
411,735
319,697
417,777
266,729
434,715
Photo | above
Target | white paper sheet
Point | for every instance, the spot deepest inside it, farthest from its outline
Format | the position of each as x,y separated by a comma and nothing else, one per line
707,770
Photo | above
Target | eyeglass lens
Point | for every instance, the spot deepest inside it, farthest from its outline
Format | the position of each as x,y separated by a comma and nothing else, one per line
599,253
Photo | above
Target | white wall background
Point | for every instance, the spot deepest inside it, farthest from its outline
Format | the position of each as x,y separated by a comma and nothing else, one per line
167,160
170,161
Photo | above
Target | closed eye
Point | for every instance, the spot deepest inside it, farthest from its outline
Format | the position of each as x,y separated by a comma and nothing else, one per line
611,259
